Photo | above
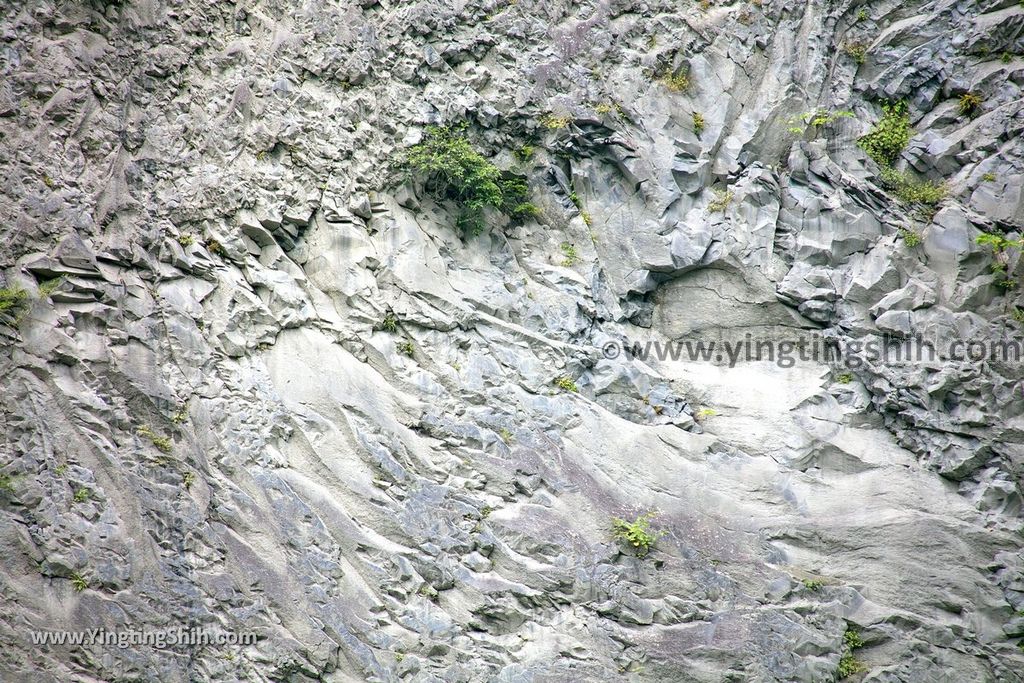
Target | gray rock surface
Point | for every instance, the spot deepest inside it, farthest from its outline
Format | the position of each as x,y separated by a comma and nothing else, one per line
207,425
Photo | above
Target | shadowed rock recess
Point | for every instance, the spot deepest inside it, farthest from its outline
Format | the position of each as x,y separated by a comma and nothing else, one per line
255,378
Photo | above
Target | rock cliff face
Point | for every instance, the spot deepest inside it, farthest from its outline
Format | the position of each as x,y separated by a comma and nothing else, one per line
258,381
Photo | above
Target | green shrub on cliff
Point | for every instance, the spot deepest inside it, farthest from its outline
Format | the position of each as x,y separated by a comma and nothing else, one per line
453,170
890,136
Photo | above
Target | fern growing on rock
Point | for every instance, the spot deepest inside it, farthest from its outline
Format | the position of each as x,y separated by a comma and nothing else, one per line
637,533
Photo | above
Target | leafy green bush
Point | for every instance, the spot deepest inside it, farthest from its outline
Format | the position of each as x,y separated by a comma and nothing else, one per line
998,243
570,253
552,122
162,443
852,639
912,191
858,51
524,153
389,323
406,348
910,237
969,104
48,287
849,665
890,136
78,583
698,123
721,201
566,383
453,170
676,81
637,533
12,301
798,125
813,584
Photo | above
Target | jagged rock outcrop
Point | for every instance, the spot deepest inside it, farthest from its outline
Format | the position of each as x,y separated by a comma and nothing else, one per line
261,383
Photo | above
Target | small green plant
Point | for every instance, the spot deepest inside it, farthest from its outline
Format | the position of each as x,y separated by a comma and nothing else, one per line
852,639
186,239
13,301
705,413
406,348
812,120
453,170
162,443
389,323
887,140
637,533
48,287
180,416
988,177
721,201
862,15
588,220
566,383
552,122
911,238
678,81
858,51
845,378
570,254
215,247
970,103
998,243
698,123
813,584
187,480
1018,314
78,583
6,483
912,191
61,469
81,495
1006,58
849,665
506,435
604,108
524,153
